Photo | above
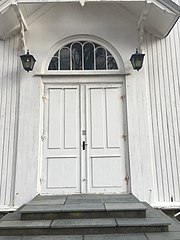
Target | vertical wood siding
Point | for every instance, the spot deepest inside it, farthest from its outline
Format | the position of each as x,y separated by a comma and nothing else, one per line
9,93
163,83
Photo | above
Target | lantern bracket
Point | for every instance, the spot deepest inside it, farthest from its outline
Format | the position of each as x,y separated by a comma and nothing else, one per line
82,2
22,23
141,23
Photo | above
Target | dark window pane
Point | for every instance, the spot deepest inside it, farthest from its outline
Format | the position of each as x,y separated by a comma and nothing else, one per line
77,56
100,59
112,63
88,56
65,59
56,54
108,53
53,64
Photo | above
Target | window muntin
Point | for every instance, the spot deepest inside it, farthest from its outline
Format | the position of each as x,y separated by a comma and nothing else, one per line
83,55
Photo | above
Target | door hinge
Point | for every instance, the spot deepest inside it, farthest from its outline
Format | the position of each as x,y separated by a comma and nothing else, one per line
43,137
41,180
124,136
44,98
123,97
127,179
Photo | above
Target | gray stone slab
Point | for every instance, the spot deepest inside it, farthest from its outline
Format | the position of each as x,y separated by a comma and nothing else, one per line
100,196
85,196
51,237
119,200
46,197
141,222
42,208
133,236
154,213
104,197
25,224
83,201
163,236
83,207
81,223
48,200
175,225
118,196
14,216
123,206
11,217
10,238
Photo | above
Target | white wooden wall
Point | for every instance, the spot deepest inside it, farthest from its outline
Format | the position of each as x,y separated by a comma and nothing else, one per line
163,87
9,93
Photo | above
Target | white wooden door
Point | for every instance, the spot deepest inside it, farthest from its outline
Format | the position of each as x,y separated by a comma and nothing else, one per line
83,144
61,157
105,152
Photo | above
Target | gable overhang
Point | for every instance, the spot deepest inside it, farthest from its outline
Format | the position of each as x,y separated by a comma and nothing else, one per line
154,16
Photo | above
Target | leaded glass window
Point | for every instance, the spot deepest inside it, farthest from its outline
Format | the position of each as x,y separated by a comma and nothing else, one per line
82,55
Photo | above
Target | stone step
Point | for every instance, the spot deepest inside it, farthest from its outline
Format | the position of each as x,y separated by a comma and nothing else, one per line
83,226
82,207
81,211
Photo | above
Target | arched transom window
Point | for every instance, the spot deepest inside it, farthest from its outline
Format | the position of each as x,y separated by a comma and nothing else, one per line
83,55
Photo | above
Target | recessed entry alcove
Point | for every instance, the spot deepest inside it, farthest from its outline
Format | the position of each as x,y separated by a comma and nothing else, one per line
84,148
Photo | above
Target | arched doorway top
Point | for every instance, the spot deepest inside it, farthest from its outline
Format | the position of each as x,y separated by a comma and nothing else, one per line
83,53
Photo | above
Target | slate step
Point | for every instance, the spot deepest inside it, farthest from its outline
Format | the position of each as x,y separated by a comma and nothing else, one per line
83,206
83,226
81,211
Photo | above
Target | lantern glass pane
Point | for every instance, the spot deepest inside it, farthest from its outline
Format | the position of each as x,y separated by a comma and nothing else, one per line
137,60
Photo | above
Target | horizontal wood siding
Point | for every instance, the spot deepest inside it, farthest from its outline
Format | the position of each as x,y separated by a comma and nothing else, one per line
163,82
9,93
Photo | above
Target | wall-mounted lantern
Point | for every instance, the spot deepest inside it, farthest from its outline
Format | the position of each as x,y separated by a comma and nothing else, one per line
137,60
28,61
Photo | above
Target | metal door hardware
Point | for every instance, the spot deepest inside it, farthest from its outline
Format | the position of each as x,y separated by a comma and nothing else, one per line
84,144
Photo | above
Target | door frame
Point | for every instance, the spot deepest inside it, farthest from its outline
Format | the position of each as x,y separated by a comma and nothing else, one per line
78,80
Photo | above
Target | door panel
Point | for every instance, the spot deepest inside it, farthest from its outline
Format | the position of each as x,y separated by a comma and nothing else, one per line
71,119
105,158
97,118
54,118
61,162
57,170
106,172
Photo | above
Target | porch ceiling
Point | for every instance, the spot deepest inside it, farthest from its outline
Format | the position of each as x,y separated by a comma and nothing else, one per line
155,16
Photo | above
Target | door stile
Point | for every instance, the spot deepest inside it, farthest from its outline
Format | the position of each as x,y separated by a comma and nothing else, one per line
83,138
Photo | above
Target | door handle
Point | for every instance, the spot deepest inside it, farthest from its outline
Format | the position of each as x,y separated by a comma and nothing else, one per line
84,145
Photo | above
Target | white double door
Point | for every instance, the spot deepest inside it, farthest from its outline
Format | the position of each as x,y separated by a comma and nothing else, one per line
83,147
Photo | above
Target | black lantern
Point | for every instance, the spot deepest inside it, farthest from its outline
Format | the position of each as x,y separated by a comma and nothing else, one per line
28,61
137,60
